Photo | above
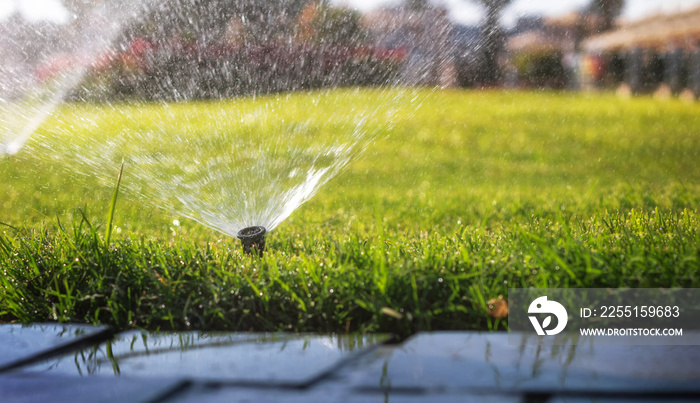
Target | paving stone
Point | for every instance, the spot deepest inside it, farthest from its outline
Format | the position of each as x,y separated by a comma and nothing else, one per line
233,394
58,389
619,400
486,362
454,397
239,358
19,343
338,393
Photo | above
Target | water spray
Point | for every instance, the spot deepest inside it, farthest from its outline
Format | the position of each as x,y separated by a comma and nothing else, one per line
253,239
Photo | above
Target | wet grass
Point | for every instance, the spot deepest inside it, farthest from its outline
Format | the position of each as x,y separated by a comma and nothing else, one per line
471,194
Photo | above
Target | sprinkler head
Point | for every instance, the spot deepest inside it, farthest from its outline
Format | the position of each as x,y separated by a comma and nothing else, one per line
253,239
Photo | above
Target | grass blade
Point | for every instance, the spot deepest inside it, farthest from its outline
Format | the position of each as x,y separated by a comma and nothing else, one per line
113,204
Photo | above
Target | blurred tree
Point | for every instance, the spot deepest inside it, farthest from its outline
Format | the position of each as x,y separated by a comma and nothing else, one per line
493,38
607,11
267,15
76,6
334,26
416,4
208,19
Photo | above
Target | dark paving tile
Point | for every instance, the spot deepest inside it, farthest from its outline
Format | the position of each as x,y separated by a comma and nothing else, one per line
329,393
265,359
454,397
58,389
232,394
486,362
21,343
617,400
337,387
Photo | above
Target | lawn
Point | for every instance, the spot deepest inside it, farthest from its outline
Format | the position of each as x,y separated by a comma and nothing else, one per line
454,202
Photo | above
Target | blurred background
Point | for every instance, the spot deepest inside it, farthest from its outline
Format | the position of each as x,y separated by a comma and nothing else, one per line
212,49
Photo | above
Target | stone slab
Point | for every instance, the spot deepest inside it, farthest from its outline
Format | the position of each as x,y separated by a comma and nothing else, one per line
34,388
239,358
569,399
454,397
338,394
485,362
20,344
237,394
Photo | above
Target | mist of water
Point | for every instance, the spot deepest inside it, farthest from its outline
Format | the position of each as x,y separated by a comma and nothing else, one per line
228,164
222,120
42,62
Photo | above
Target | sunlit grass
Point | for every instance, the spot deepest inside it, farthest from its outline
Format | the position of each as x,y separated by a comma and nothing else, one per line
468,195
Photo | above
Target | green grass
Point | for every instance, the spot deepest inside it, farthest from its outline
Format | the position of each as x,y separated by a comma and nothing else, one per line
468,195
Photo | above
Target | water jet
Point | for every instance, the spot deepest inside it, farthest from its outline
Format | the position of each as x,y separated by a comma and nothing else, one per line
254,156
253,239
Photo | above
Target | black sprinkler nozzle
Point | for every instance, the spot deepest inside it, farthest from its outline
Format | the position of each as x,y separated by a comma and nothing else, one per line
253,239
